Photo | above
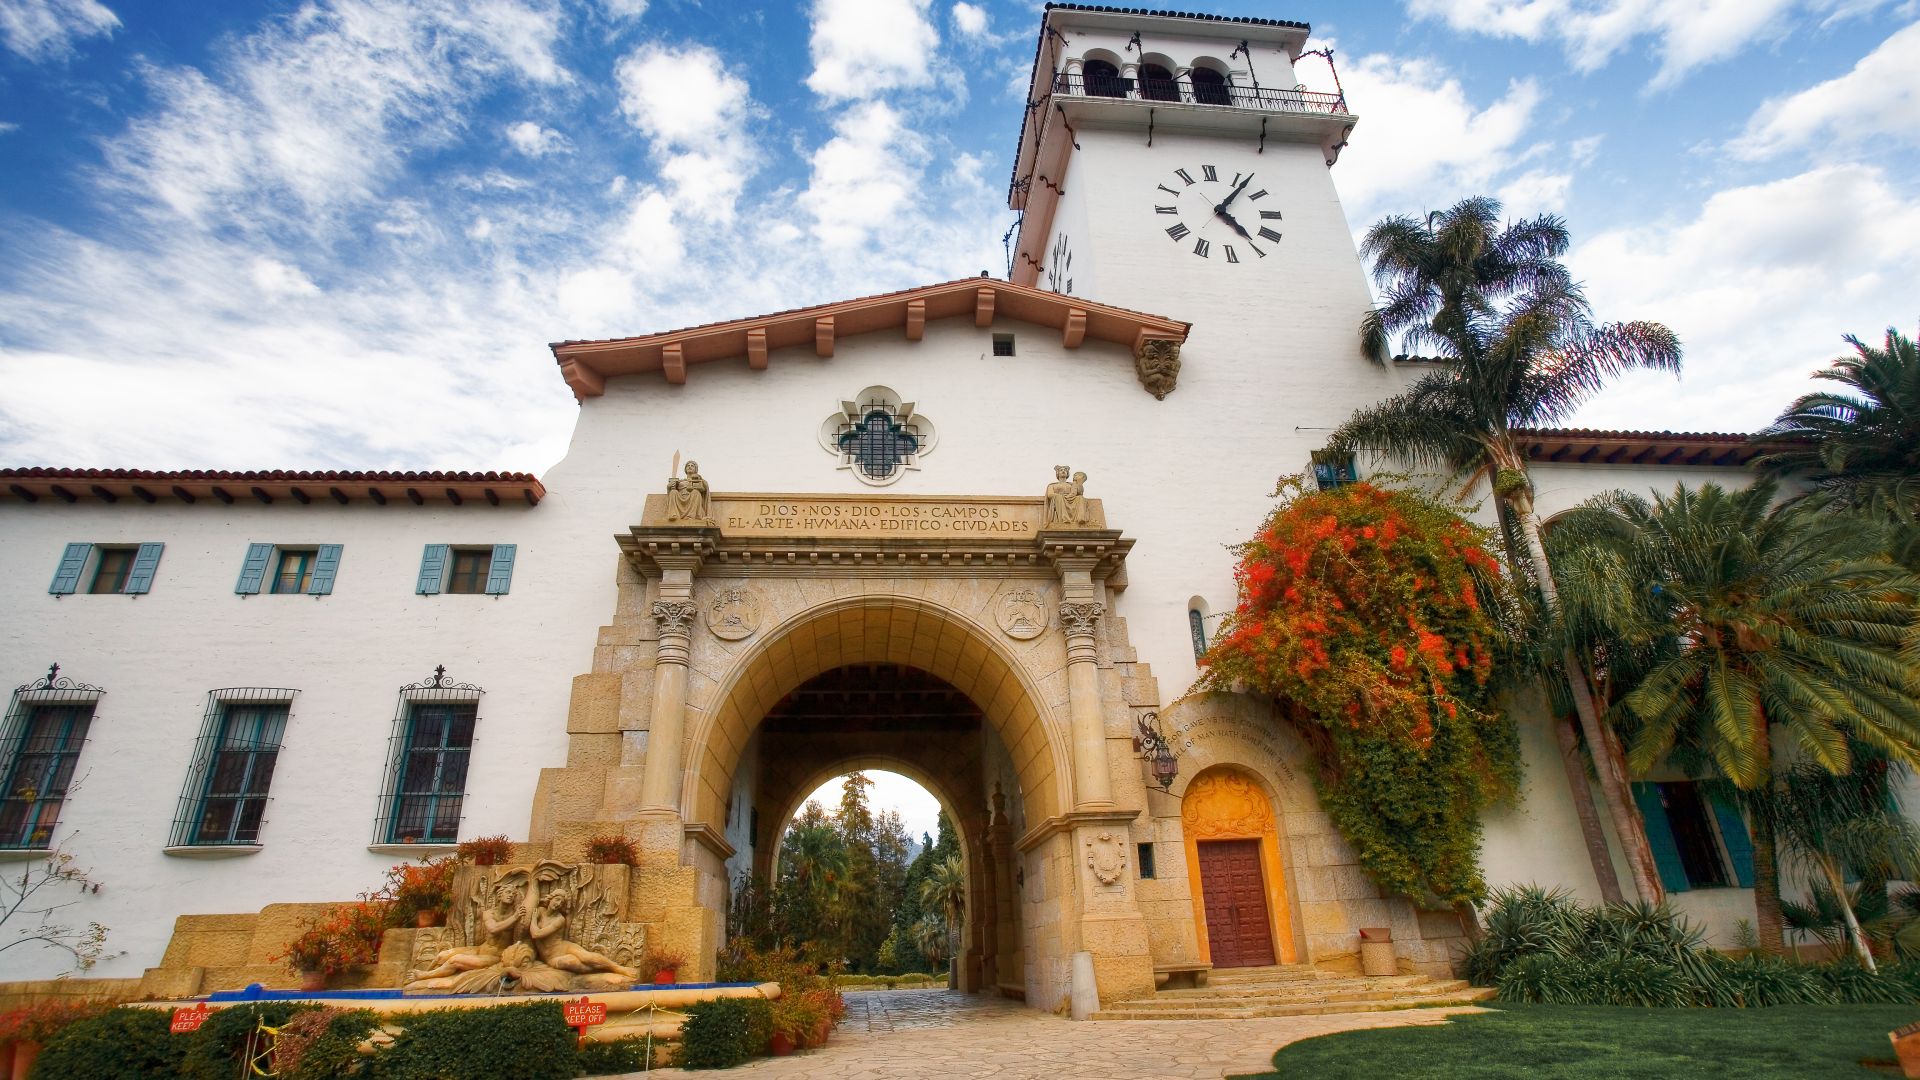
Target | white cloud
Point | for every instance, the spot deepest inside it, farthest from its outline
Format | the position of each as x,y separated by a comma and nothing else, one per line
1879,98
1759,285
1421,139
970,19
8,127
862,48
625,10
697,116
1685,35
278,280
48,29
1536,191
858,181
535,141
328,105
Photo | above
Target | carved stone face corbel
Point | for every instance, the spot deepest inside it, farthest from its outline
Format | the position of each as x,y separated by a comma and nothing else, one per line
1157,362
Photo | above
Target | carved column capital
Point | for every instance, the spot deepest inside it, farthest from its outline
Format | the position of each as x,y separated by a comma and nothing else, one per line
1079,619
675,619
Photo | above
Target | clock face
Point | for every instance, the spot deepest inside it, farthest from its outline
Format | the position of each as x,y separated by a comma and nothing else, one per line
1060,266
1222,216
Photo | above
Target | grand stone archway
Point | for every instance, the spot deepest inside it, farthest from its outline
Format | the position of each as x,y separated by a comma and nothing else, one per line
720,619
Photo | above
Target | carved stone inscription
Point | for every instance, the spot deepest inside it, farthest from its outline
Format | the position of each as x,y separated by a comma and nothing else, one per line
981,518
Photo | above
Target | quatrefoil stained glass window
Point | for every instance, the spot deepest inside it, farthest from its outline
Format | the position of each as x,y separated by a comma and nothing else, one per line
876,436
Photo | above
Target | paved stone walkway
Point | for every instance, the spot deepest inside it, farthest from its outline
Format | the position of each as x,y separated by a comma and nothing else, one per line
940,1033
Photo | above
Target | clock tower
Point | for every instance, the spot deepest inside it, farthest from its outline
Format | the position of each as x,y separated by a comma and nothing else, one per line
1174,163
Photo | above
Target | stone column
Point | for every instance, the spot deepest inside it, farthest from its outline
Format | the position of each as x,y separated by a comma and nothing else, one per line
1092,780
673,614
1005,899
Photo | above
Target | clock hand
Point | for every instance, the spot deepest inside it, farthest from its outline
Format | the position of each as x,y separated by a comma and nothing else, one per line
1221,213
1234,194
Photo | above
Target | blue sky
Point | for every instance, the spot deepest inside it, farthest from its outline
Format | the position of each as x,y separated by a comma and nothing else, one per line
339,234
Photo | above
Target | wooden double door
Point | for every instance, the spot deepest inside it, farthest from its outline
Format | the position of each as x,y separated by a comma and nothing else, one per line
1233,890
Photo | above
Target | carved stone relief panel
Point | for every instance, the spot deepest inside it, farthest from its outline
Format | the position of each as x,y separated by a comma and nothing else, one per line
1107,857
1022,614
734,613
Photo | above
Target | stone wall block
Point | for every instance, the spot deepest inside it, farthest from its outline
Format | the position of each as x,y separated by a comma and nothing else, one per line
593,751
594,707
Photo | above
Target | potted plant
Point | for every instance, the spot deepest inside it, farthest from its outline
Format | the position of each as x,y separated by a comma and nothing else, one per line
612,850
419,895
312,957
486,850
665,965
346,936
795,1019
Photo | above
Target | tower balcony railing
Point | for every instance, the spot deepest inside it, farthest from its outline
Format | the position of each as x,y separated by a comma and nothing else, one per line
1229,95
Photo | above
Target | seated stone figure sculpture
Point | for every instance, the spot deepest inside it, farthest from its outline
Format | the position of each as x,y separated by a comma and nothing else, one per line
500,927
548,927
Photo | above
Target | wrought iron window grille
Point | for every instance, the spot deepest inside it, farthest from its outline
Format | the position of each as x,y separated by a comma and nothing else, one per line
45,728
224,800
877,436
422,797
1331,470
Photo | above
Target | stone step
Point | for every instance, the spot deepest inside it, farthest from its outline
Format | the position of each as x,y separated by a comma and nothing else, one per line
1148,1010
1328,984
1355,989
1192,1007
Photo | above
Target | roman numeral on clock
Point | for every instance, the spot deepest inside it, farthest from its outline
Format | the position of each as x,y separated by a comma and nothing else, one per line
1200,248
1178,232
1208,172
1269,234
1236,179
1166,209
1261,194
1270,215
1231,257
1166,189
1184,175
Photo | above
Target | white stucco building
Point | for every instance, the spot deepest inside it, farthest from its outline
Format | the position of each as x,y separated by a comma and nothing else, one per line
247,734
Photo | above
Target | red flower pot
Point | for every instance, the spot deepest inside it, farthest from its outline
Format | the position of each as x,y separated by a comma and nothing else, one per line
663,977
780,1044
424,919
24,1054
311,981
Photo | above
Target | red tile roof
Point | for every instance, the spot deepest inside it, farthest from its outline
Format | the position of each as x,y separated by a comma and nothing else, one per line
417,488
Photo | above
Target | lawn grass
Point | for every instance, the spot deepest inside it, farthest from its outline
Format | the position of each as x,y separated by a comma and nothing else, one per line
1801,1042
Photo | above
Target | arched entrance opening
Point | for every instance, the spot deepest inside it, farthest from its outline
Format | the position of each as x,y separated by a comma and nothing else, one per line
916,691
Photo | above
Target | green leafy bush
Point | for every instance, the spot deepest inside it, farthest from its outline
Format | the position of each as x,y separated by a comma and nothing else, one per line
724,1032
526,1042
609,1058
215,1052
124,1044
1545,948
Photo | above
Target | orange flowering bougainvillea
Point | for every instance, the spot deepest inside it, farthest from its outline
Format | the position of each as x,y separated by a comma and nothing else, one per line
1375,617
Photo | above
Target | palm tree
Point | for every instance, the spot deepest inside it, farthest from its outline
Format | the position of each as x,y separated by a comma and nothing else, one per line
1747,620
1831,823
1861,445
1521,350
945,890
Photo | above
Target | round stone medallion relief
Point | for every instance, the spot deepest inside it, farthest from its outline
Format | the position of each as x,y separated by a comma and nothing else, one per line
1022,614
734,614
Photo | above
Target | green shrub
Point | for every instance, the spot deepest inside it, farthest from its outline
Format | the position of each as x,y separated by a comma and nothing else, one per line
1855,985
724,1032
526,1042
215,1052
124,1044
608,1058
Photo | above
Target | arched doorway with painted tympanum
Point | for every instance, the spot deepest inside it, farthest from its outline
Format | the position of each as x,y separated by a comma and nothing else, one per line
1237,867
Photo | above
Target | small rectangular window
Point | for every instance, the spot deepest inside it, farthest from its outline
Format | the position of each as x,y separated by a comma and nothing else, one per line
432,780
1693,836
468,570
293,571
111,570
38,760
225,800
1003,344
1332,470
1146,861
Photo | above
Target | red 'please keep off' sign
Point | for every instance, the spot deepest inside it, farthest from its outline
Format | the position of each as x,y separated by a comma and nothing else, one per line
186,1020
584,1013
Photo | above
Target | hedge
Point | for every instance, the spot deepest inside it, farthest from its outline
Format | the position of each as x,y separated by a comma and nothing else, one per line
124,1044
724,1032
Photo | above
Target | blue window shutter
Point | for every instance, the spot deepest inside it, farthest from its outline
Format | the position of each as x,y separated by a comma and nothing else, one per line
1733,836
325,564
66,579
254,570
433,565
145,562
500,571
1666,853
